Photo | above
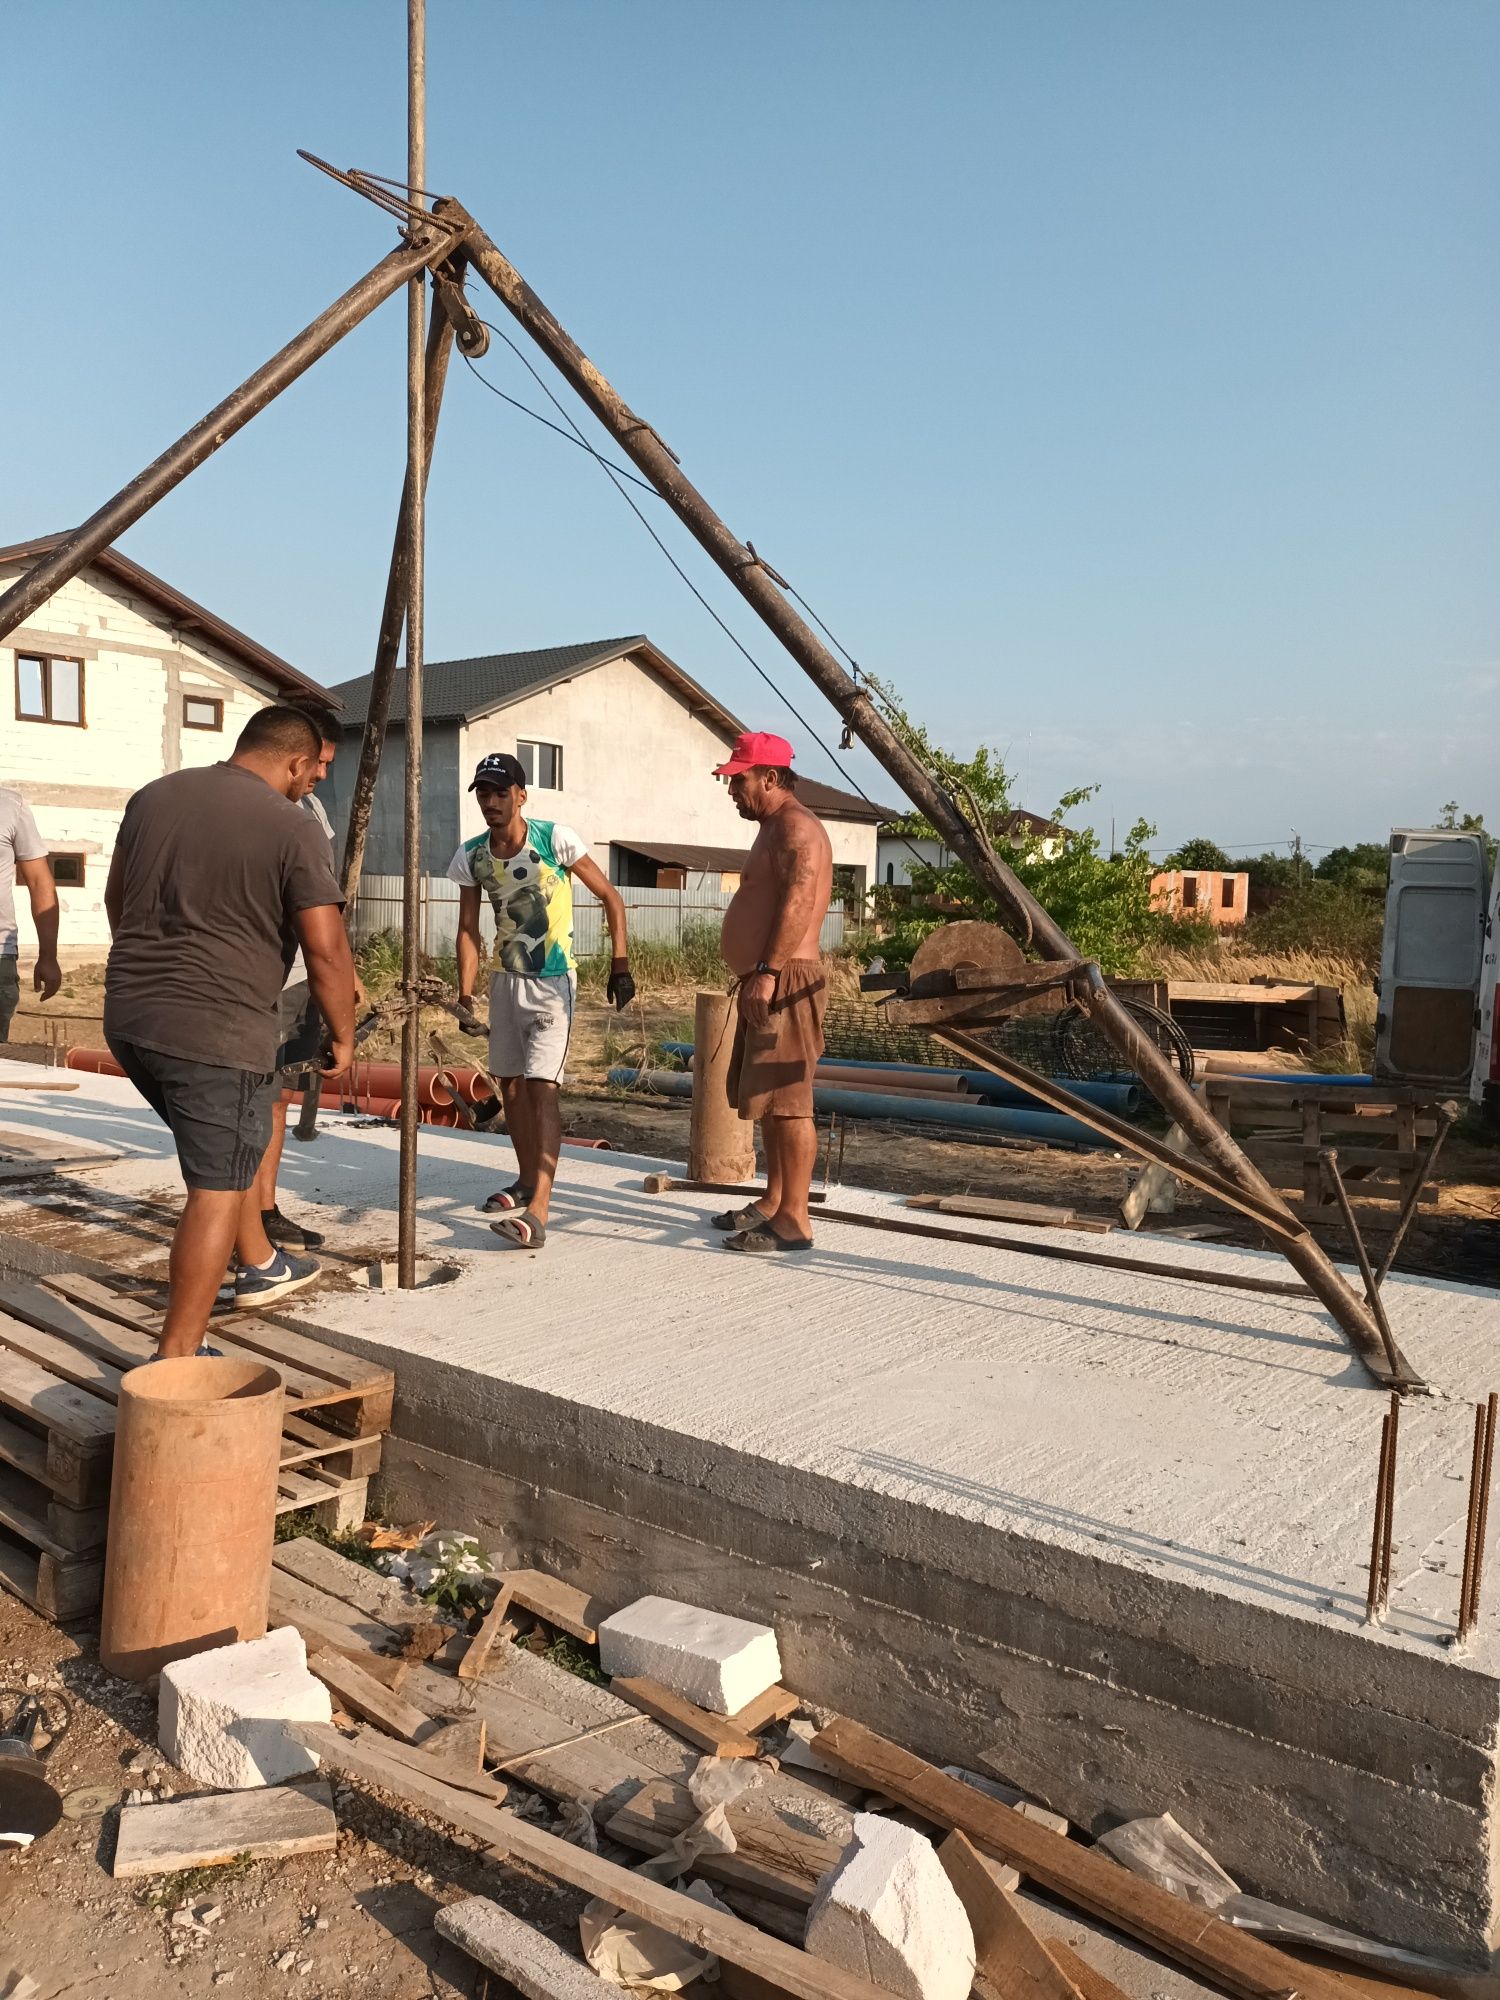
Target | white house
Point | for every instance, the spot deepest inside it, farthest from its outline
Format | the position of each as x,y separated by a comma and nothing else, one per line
617,741
117,679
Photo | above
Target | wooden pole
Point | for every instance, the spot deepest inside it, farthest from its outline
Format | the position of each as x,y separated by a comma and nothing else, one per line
416,489
721,1144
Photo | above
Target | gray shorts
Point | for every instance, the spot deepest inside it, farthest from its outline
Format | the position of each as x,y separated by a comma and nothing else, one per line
530,1022
10,994
219,1118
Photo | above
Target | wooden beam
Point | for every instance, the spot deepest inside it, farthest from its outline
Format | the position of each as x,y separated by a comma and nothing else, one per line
364,1696
206,1832
1243,1966
560,1604
1008,1954
477,1653
516,1840
775,1705
714,1733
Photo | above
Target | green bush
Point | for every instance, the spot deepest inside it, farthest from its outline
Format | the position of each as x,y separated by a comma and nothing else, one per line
1321,918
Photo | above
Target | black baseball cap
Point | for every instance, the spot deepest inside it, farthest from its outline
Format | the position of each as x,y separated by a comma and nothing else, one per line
500,772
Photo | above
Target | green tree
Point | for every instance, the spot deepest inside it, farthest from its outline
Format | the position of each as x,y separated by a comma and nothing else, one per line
1275,872
1453,821
1362,867
1102,902
1199,853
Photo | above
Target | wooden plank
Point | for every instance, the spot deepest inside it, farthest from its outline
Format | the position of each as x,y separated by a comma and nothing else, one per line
514,1839
1221,993
424,1764
62,1410
1090,1981
304,1441
775,1705
496,1620
714,1733
364,1696
60,1588
77,1365
1036,1214
100,1298
774,1857
324,1621
24,1450
1008,1955
23,1510
560,1604
1243,1966
206,1832
41,1083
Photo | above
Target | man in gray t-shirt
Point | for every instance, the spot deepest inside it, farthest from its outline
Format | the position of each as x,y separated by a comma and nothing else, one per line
23,858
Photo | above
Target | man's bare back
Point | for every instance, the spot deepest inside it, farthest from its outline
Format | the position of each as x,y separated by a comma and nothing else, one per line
777,912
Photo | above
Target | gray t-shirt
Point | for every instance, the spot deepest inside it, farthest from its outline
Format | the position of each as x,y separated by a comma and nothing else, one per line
312,805
210,868
19,841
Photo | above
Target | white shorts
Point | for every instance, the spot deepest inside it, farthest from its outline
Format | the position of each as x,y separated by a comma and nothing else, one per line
530,1022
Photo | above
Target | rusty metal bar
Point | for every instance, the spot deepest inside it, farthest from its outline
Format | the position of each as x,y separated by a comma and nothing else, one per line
1020,908
1447,1114
416,524
1388,1533
51,572
1383,1481
1401,1375
1479,1515
1466,1591
392,621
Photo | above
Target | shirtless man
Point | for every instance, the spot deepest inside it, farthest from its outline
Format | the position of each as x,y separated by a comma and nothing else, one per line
770,943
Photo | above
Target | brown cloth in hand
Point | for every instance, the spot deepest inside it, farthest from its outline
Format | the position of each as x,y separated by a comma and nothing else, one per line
771,1068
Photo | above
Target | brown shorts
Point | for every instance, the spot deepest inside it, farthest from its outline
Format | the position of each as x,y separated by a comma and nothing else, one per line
771,1068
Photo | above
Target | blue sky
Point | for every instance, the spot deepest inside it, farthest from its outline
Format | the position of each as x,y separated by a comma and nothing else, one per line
1116,379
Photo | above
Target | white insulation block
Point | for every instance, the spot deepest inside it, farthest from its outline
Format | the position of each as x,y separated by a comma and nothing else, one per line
888,1912
221,1714
718,1662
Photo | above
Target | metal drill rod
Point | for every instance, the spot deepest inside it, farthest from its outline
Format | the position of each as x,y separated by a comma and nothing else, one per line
50,572
1377,1534
1021,910
392,621
1447,1114
1486,1472
1387,1540
1400,1372
416,523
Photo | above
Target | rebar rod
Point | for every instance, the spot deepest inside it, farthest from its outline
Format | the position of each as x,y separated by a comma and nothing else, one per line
1446,1115
416,486
1471,1524
1393,1418
1018,906
1486,1472
50,572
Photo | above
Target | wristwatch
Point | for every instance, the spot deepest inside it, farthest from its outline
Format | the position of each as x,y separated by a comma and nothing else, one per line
768,970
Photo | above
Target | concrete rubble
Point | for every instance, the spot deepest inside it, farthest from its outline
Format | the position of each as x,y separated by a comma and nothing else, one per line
222,1714
519,1954
889,1913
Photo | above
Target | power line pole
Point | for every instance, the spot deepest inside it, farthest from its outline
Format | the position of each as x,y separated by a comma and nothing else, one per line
1297,855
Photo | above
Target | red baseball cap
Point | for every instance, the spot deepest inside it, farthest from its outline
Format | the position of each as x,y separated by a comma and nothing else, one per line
756,747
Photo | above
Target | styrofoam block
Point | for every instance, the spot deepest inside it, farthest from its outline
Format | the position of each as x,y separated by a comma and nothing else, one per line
888,1912
718,1662
221,1715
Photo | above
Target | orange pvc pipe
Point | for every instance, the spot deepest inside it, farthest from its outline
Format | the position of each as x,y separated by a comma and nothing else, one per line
192,1511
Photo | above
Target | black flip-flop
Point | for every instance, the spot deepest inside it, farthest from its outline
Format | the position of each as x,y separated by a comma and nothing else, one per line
761,1242
521,1232
748,1217
515,1196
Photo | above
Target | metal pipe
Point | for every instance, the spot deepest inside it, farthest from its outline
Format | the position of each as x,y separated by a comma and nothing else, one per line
51,572
1330,1158
416,522
1020,908
1446,1116
1377,1535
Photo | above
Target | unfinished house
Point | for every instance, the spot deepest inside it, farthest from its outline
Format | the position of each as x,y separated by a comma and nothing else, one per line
118,679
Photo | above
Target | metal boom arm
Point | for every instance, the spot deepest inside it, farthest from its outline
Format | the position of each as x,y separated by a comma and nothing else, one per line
1020,908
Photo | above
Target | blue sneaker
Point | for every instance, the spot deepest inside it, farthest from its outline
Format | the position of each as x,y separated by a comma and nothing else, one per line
285,1274
205,1352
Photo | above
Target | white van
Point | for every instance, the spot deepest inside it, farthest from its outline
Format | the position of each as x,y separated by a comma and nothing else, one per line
1484,1084
1431,957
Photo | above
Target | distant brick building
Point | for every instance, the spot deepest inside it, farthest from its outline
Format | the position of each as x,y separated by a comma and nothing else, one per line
1203,895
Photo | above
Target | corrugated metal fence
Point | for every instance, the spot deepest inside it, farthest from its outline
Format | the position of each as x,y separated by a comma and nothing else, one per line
661,916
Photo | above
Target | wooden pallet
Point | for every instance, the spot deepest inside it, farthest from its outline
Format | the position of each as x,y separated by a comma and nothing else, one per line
1380,1132
64,1346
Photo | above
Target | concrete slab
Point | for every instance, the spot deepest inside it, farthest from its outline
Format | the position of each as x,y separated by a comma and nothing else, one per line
1103,1534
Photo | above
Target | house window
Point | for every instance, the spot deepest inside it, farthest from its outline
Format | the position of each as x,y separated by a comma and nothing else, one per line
48,689
1190,892
542,763
67,870
1226,892
202,711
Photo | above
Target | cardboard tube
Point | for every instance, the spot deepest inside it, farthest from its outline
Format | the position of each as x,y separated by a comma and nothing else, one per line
721,1144
192,1511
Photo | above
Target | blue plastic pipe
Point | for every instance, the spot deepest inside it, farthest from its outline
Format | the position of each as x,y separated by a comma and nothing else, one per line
1125,1100
1047,1126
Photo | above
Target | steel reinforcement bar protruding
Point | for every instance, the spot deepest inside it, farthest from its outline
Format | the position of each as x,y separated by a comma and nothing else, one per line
1021,909
48,575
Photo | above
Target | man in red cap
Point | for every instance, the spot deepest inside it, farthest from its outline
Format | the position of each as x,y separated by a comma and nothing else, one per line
770,943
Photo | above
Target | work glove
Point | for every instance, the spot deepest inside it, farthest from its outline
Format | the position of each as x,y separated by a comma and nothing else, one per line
620,988
467,1019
